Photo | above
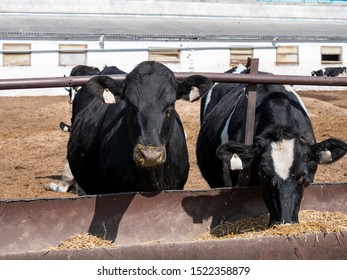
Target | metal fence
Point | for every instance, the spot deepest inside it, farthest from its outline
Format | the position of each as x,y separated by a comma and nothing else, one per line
51,82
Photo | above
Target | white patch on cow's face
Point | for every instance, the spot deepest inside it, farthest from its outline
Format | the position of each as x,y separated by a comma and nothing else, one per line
282,153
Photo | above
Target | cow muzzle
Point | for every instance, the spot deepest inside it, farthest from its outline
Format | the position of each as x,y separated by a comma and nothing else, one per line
149,156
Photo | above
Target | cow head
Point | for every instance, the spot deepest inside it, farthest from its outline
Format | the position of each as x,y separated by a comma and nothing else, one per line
285,163
150,92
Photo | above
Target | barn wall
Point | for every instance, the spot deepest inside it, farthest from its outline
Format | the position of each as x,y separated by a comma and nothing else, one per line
212,57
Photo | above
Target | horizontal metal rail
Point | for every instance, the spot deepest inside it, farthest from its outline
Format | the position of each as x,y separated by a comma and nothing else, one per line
51,82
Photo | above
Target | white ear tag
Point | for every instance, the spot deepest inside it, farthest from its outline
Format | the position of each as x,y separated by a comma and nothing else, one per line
325,156
108,97
235,162
194,94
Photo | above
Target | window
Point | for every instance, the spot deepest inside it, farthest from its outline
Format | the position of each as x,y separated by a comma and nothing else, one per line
240,56
16,55
164,56
72,54
287,55
331,55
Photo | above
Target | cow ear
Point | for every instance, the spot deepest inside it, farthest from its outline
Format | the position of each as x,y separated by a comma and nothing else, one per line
105,88
328,150
193,87
237,155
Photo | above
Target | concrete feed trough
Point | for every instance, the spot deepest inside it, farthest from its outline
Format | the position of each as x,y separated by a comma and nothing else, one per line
163,226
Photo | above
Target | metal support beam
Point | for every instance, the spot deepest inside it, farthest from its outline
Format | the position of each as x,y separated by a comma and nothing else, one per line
249,124
251,93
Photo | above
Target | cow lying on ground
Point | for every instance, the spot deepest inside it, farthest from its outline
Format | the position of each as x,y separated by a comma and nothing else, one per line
136,143
330,72
67,183
284,157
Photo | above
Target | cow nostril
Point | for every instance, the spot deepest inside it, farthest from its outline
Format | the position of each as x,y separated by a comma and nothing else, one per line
149,156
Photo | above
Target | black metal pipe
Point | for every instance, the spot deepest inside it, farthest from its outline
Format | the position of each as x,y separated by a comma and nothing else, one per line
50,82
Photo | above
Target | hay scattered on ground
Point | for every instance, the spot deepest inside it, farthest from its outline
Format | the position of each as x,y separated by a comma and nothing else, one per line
310,221
82,241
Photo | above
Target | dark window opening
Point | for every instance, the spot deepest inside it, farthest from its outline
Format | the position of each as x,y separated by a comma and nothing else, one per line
330,57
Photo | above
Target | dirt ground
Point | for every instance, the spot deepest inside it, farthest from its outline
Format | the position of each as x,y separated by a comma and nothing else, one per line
33,148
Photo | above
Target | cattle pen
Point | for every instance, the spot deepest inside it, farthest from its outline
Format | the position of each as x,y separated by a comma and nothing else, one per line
166,222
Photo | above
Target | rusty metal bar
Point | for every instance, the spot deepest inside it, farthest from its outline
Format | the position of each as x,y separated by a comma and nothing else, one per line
268,79
248,126
251,92
51,82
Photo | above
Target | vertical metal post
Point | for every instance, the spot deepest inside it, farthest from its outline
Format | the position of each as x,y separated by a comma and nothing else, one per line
251,93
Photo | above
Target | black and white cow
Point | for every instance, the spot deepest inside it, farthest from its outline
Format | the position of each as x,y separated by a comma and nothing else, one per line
209,100
334,71
330,72
284,157
136,143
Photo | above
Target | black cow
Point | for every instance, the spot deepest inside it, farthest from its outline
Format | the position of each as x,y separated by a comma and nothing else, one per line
284,156
111,70
68,182
319,73
136,143
81,70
